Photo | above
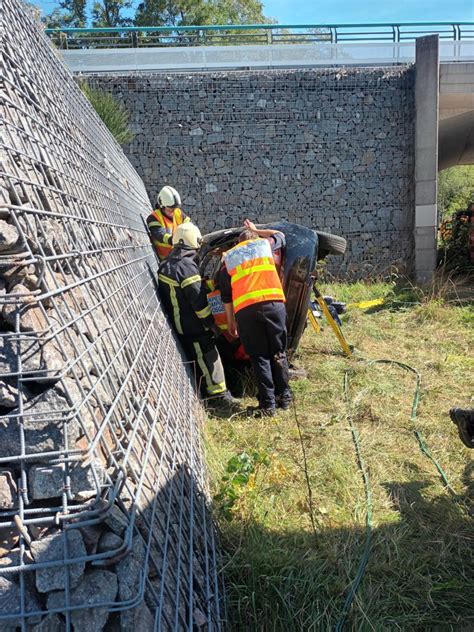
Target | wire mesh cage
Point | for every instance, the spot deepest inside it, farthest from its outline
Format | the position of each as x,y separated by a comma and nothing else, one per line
104,522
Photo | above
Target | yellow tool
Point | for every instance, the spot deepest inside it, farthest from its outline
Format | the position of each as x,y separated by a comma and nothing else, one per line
367,304
334,326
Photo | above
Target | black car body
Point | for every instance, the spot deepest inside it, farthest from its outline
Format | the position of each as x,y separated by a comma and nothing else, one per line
304,247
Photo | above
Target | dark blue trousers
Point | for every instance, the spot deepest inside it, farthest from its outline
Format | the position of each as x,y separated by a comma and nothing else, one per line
262,329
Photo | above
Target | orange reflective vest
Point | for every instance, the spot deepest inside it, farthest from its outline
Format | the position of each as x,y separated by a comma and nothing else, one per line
164,245
253,275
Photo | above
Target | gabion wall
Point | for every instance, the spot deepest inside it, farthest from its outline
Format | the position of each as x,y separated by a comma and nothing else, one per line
103,512
330,149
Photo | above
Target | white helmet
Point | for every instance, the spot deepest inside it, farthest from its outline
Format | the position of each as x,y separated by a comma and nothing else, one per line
168,197
187,234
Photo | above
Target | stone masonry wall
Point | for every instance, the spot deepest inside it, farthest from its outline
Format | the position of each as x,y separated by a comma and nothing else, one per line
331,149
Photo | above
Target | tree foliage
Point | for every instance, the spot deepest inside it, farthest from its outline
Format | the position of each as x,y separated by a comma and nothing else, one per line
72,13
110,13
114,115
455,189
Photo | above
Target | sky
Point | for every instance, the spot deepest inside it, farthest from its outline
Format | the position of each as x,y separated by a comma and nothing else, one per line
352,11
368,11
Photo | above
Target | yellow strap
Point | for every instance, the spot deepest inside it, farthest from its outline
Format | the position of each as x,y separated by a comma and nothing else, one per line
168,281
366,304
190,280
257,294
204,312
246,271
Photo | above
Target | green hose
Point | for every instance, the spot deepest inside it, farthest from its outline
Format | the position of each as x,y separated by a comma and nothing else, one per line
365,476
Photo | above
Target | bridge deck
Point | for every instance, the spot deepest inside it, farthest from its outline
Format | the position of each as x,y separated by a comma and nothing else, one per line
273,56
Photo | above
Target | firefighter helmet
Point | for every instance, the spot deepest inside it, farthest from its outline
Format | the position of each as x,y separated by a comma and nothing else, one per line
187,234
168,197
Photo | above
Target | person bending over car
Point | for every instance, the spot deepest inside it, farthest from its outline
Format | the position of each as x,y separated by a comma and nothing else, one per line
184,299
255,308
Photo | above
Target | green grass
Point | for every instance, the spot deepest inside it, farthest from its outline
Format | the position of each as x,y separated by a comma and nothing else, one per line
112,112
295,533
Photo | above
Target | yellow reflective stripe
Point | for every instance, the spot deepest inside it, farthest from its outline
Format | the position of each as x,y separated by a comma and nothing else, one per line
177,315
204,312
190,280
167,238
212,389
155,224
218,388
246,271
257,294
168,281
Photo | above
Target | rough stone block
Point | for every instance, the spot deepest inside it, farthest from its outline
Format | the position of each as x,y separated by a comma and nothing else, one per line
43,422
8,489
50,623
51,549
10,602
9,236
97,586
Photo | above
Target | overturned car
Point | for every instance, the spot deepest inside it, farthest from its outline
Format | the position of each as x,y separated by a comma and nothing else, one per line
296,264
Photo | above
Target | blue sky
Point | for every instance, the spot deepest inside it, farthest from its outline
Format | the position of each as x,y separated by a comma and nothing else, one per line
347,11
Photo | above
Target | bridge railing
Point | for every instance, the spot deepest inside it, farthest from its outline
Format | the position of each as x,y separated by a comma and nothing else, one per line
215,35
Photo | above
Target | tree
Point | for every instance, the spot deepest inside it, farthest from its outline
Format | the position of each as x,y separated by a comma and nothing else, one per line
199,12
455,189
109,13
71,13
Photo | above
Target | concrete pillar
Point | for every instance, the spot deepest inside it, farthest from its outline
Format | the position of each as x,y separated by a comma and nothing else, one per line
426,155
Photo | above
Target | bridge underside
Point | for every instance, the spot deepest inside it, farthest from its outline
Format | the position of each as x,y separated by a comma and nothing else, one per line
456,115
456,141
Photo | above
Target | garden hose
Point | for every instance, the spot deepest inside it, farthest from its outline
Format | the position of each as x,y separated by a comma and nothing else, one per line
365,476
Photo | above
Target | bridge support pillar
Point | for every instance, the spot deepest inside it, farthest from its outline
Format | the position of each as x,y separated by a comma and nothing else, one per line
426,155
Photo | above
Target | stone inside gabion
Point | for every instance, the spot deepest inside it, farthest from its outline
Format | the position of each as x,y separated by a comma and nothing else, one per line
329,148
103,505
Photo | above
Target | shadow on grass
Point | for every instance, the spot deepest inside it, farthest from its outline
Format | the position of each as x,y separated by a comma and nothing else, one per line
420,574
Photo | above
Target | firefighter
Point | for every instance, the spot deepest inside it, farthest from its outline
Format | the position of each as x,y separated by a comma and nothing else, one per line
163,222
184,298
255,307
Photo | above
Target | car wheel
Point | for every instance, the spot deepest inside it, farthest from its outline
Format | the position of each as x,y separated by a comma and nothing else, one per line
329,244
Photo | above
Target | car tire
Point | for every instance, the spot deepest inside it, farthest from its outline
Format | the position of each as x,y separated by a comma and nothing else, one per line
329,244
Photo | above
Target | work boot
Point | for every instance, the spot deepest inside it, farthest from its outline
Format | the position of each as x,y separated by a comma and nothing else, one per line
283,401
258,411
224,403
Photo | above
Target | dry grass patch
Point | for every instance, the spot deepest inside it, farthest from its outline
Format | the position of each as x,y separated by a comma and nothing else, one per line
293,536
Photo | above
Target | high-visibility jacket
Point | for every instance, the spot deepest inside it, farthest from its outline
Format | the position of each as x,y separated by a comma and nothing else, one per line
162,229
253,274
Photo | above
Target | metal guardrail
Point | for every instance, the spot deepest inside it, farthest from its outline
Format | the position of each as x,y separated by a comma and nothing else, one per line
214,35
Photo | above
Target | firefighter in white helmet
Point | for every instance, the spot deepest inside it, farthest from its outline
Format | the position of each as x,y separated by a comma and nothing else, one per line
184,298
163,222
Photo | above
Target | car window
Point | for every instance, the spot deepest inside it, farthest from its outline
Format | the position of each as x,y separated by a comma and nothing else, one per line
211,263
